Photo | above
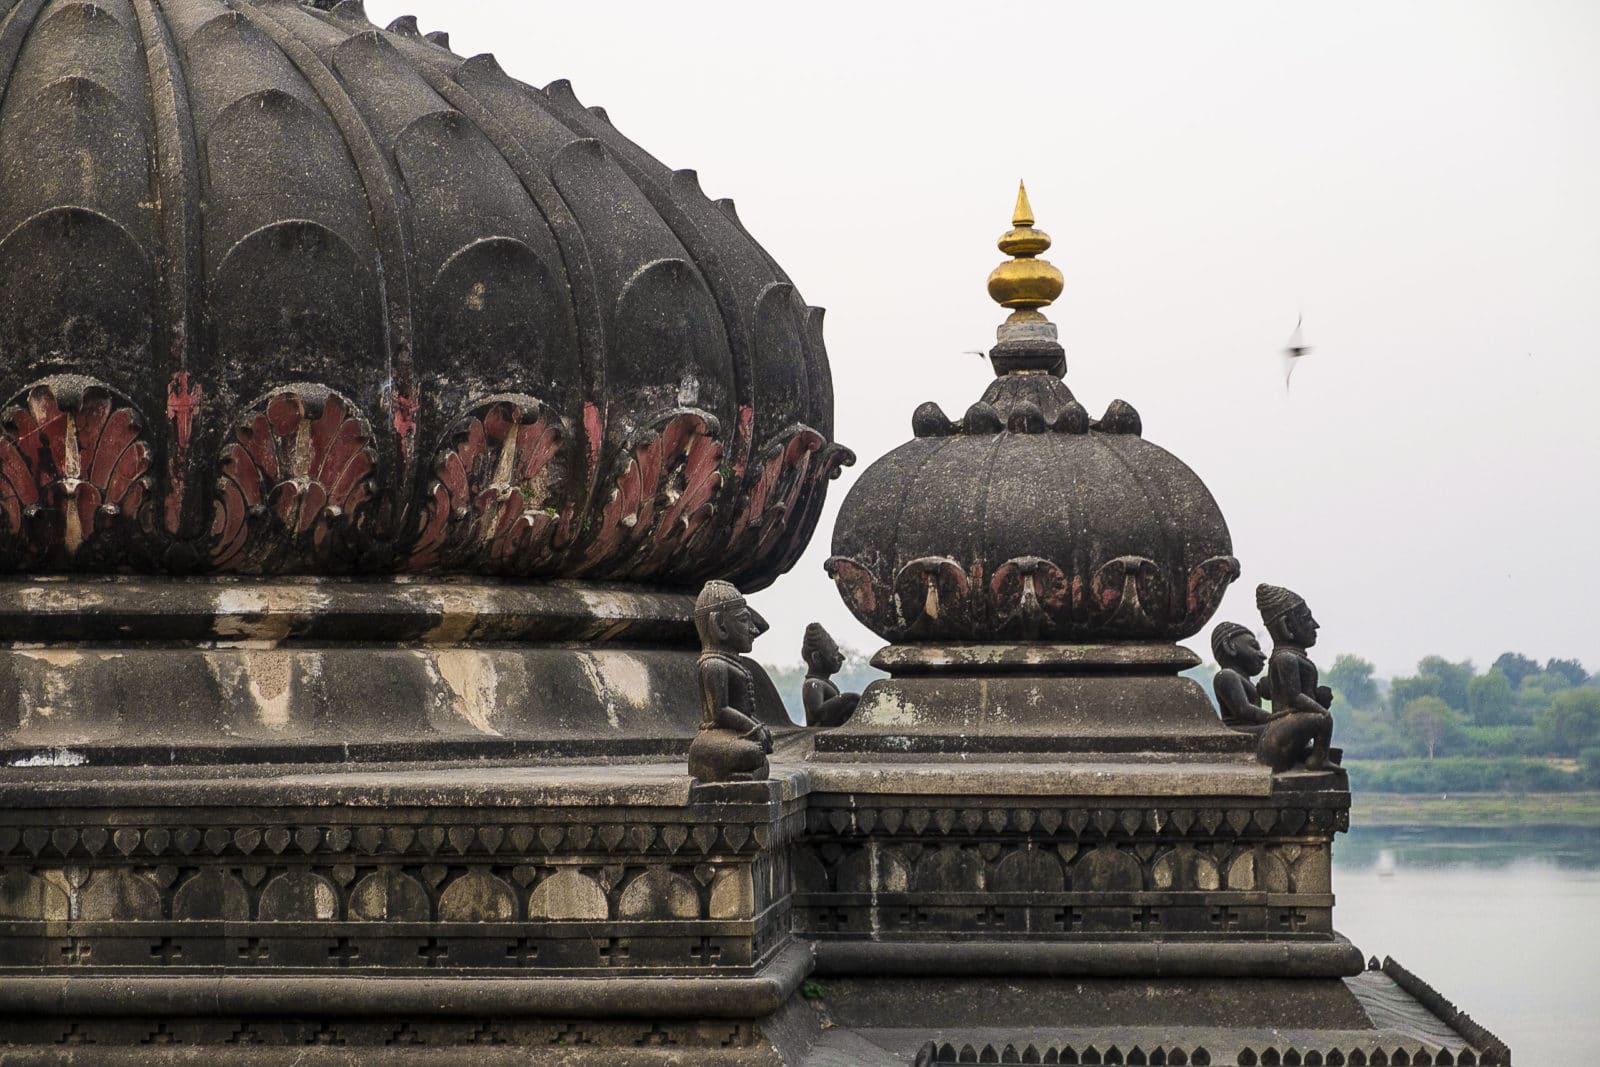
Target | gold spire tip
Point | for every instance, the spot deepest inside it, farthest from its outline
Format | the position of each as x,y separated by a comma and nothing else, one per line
1023,215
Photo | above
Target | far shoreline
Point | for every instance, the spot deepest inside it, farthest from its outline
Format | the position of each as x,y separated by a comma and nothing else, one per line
1476,810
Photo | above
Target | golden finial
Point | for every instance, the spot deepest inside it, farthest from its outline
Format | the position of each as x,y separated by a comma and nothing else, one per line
1024,282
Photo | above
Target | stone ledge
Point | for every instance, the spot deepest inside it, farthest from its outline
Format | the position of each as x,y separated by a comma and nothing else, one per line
281,995
1063,777
654,784
1091,959
434,612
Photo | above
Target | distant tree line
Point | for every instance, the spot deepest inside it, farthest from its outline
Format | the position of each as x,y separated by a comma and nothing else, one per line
1513,724
1515,708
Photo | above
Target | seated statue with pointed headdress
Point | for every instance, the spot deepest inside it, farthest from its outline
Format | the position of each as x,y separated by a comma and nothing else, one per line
1301,736
731,744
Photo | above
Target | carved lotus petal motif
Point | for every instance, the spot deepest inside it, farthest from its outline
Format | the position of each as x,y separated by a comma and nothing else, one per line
661,503
777,484
1206,586
673,837
1127,594
74,464
296,482
1032,598
930,596
859,588
498,503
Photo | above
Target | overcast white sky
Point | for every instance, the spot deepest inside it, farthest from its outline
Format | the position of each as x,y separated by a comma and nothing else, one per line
1422,178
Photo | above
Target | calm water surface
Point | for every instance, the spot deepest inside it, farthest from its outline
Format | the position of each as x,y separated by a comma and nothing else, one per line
1505,924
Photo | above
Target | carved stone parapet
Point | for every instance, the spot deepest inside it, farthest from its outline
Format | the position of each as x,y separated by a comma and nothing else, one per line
564,888
928,868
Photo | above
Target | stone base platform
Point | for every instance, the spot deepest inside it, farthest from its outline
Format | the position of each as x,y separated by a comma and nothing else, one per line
617,912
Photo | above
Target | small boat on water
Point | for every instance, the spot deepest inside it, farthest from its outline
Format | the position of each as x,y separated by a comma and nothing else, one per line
1386,864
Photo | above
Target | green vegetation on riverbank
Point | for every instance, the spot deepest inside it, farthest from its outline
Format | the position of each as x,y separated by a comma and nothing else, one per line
1477,810
1464,774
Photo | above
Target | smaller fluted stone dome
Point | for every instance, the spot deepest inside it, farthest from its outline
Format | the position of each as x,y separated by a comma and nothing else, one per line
1027,519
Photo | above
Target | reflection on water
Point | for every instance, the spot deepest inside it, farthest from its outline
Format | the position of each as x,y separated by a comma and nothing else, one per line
1572,847
1501,922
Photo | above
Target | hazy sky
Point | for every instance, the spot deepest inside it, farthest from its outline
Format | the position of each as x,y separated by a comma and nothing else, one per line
1423,179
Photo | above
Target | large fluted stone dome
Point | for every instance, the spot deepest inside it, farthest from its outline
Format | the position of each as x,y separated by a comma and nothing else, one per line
283,292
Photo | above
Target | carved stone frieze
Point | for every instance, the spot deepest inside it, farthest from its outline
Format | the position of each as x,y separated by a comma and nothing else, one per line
559,896
485,1035
303,484
937,598
1068,871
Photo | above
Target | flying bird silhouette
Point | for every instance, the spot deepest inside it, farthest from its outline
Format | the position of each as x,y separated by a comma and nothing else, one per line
1296,348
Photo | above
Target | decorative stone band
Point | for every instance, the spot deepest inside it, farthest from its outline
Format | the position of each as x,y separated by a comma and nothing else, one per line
516,489
1030,599
1026,873
1355,1049
629,889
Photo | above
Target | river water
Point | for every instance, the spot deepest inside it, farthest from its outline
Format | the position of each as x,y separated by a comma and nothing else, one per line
1505,924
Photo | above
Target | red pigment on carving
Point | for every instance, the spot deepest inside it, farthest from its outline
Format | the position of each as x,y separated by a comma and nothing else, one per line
183,403
490,500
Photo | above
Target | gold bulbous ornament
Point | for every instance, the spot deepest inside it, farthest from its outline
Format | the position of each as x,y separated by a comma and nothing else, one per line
1024,282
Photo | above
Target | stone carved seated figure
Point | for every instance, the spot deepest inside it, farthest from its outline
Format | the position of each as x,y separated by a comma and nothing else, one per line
731,744
1300,729
824,704
1239,659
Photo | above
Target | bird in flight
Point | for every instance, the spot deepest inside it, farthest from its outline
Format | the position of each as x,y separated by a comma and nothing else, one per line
1296,348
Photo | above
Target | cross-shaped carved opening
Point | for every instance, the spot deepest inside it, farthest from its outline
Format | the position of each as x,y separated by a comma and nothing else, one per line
166,950
523,950
705,953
